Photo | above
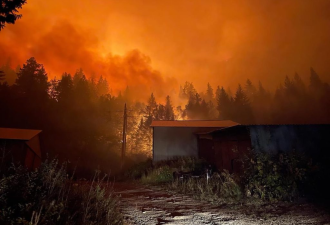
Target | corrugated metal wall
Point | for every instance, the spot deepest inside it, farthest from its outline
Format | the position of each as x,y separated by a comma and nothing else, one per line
218,146
311,139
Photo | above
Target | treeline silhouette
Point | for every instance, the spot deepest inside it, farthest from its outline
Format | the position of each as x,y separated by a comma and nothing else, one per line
82,121
294,102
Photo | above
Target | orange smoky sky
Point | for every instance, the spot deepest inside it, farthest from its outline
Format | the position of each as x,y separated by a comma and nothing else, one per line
156,45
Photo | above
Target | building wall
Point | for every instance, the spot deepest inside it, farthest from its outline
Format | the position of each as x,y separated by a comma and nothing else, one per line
33,154
169,142
206,148
227,145
311,139
34,144
11,151
20,152
230,145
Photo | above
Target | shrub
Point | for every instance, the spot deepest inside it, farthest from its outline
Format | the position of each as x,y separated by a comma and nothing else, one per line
48,196
280,177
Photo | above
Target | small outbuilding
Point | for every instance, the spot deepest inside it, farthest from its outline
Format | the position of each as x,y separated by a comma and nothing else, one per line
20,146
179,137
230,144
223,143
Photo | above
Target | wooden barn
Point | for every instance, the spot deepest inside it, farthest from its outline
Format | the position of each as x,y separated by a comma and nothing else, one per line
20,146
222,143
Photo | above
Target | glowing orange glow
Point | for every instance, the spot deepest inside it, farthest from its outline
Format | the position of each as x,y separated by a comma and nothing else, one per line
152,46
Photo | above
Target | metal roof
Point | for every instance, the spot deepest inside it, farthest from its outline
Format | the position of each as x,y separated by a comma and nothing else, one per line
18,134
193,123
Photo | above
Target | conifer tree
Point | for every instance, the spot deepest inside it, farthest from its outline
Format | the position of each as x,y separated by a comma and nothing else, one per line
169,112
224,104
209,93
65,88
188,90
32,80
102,86
242,108
81,87
300,85
250,90
9,11
151,109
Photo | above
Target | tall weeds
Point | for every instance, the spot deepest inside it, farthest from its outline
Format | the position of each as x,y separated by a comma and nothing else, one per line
265,177
218,188
49,196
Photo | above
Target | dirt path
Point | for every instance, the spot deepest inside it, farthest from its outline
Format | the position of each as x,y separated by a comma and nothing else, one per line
152,205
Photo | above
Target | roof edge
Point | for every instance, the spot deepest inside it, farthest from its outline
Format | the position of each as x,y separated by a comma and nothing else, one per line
18,134
193,123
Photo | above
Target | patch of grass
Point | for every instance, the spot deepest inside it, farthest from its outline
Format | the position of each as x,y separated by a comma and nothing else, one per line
158,175
162,171
138,170
183,164
49,196
219,188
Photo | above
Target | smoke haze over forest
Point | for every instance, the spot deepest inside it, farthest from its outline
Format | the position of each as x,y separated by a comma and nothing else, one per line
68,68
157,45
222,103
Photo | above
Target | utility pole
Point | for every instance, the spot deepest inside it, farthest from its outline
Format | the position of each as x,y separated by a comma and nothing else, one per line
123,151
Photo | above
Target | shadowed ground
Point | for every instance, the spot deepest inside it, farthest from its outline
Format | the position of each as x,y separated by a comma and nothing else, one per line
153,205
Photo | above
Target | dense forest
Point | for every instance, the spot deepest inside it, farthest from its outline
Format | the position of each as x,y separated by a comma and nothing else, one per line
82,122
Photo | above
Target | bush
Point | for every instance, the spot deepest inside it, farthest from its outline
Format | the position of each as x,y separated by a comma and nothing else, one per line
279,177
48,196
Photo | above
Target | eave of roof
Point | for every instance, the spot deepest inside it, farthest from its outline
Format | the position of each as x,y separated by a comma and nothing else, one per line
258,125
193,123
18,134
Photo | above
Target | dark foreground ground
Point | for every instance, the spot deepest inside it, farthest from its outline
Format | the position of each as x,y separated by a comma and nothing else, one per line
153,205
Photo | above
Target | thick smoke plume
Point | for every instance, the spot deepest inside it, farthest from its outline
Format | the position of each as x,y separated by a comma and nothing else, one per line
65,48
221,42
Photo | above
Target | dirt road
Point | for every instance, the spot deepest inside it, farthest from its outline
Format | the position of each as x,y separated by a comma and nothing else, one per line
153,205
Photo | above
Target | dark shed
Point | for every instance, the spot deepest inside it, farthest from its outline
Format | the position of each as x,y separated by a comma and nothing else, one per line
223,143
229,144
20,146
178,138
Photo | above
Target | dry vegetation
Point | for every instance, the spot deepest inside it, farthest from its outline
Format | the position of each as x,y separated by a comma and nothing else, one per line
49,196
266,178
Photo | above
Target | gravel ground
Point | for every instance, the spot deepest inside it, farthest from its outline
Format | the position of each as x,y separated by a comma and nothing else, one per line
154,205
